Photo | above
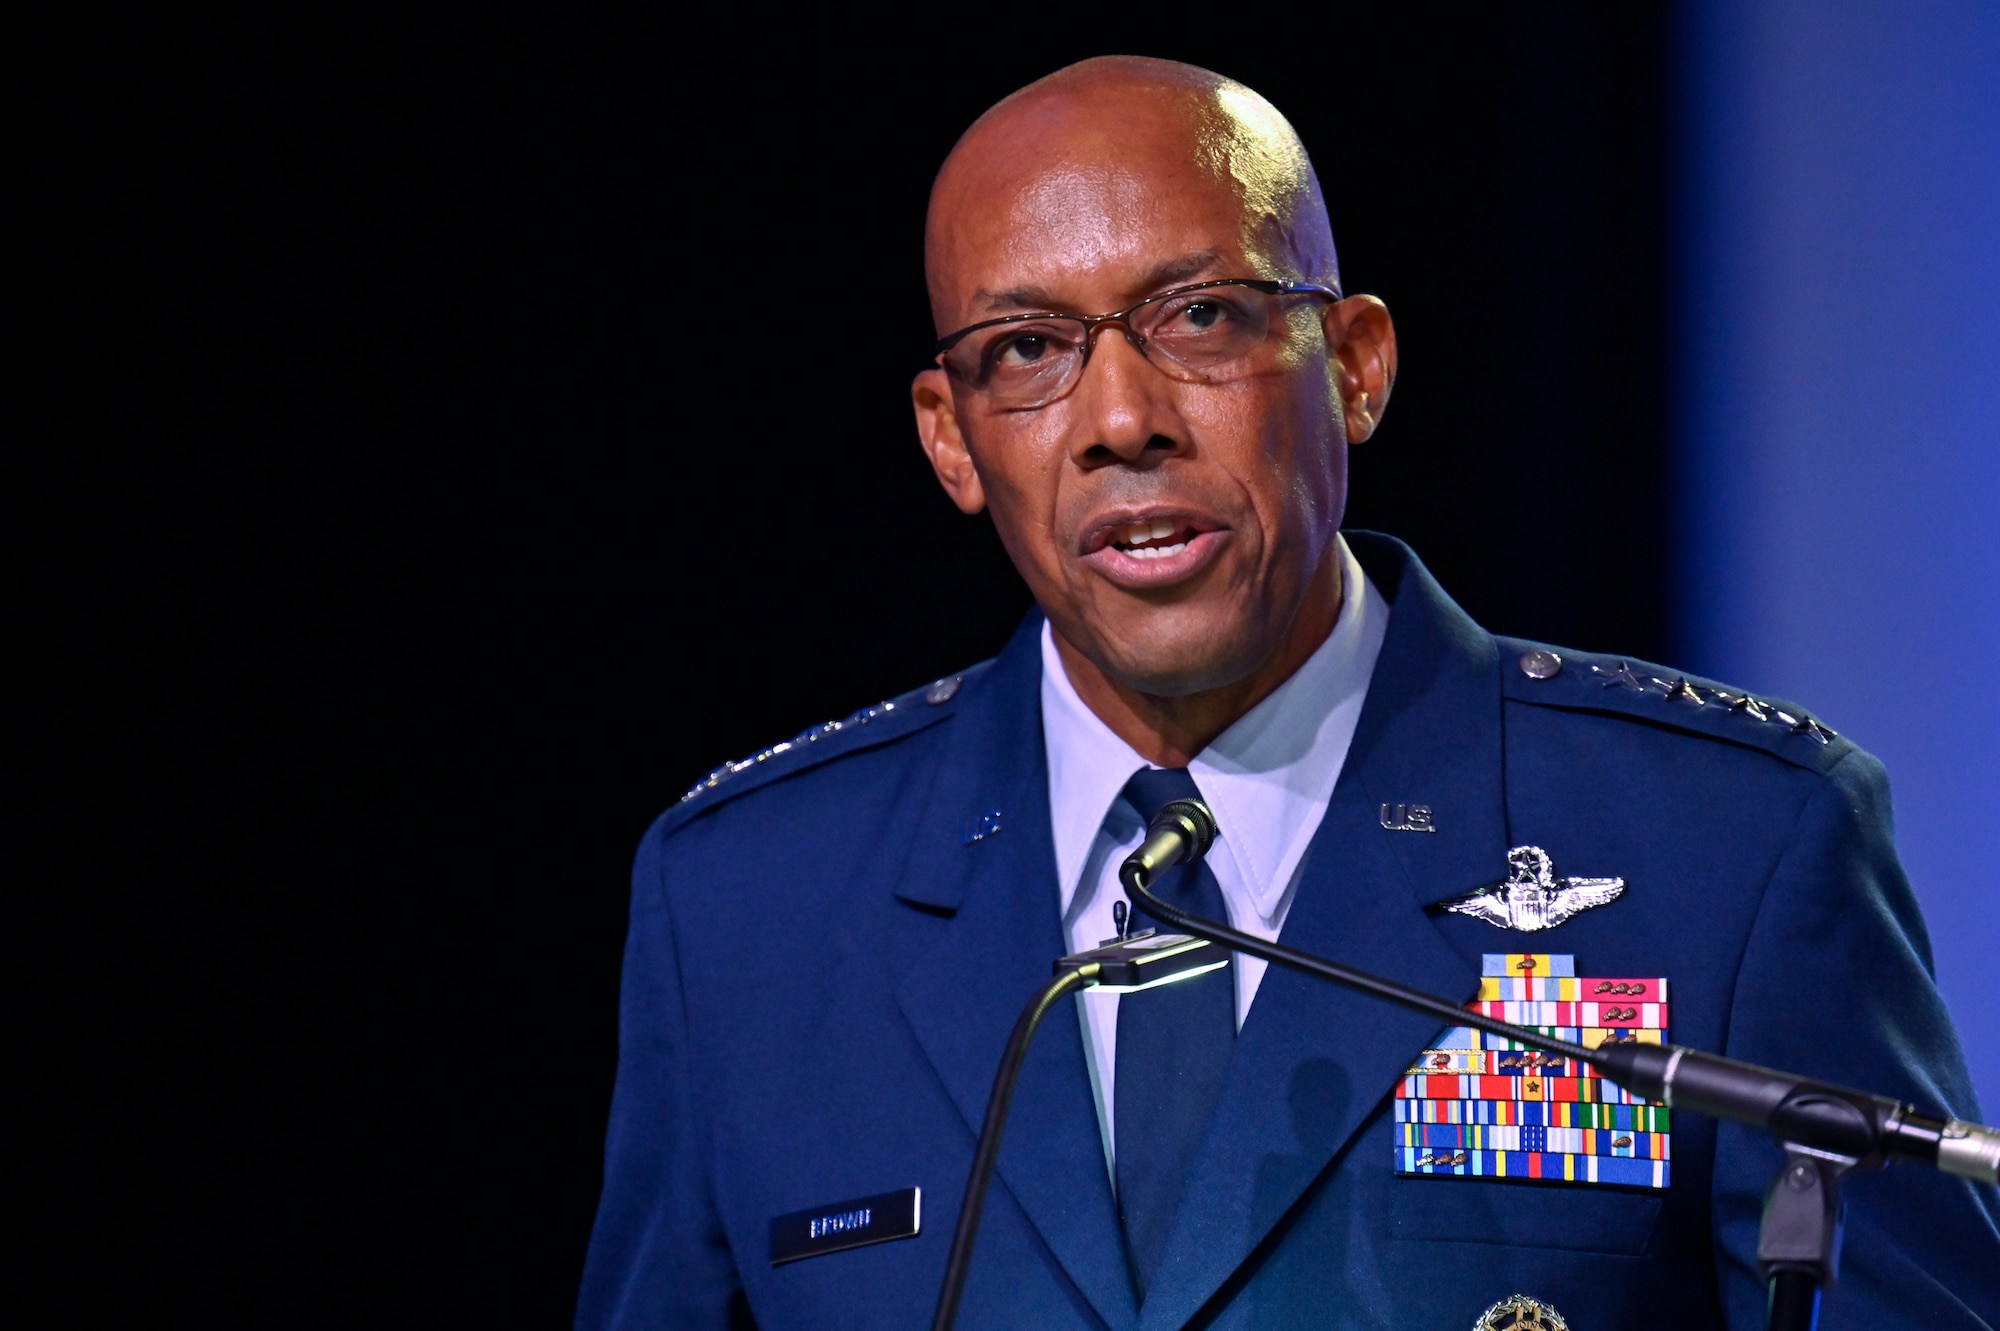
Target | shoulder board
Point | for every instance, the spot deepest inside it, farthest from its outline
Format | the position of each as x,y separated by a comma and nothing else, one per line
868,728
1536,673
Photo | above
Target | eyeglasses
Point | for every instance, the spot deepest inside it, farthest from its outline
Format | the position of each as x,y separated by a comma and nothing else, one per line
1205,333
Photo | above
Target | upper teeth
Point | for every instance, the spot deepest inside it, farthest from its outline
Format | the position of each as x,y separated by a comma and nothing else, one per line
1135,537
1149,531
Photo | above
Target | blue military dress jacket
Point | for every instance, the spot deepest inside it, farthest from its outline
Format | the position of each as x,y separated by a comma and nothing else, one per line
830,943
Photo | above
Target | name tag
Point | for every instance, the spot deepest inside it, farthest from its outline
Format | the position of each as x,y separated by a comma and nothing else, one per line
842,1225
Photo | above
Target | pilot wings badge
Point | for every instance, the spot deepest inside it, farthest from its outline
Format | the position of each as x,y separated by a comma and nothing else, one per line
1533,897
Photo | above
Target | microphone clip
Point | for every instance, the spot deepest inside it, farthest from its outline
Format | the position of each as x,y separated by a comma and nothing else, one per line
1146,960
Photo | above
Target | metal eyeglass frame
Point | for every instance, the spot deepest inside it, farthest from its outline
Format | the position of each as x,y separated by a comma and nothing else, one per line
1092,322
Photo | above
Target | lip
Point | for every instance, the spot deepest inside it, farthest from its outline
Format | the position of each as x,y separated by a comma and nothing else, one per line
1201,550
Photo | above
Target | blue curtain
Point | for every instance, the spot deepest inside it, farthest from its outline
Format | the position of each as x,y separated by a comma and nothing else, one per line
1838,398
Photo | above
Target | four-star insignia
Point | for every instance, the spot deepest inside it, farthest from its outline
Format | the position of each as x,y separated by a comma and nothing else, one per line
1541,664
811,735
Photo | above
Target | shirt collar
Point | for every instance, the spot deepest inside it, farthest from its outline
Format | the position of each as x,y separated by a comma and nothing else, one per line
1268,778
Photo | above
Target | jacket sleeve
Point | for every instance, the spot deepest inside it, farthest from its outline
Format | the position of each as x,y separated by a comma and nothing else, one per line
658,1254
1837,983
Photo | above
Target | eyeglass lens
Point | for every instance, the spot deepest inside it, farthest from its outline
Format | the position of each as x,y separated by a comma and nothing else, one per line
1201,335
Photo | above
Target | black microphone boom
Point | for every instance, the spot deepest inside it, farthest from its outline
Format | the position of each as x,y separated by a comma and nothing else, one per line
1854,1125
1836,1120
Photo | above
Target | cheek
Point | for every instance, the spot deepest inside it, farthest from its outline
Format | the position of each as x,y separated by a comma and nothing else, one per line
1285,446
1020,472
1314,441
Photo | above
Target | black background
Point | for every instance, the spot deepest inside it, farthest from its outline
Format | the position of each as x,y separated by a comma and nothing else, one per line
445,441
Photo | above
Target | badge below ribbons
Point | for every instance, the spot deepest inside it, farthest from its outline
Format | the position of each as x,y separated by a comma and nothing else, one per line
1477,1104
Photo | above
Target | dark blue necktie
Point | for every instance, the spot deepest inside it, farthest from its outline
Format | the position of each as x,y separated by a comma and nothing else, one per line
1173,1047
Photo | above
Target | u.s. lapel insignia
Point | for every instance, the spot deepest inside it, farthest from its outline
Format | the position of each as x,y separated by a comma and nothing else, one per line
1408,818
1518,1312
1532,898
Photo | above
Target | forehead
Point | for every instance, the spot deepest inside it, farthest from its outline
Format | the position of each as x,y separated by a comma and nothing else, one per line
1091,213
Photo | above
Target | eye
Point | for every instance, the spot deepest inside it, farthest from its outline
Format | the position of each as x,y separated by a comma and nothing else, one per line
1030,348
1021,348
1201,313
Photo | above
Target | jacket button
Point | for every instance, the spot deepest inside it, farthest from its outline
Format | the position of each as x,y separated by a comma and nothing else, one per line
1541,664
943,691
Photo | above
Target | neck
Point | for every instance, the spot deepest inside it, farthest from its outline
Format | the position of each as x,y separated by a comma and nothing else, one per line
1170,731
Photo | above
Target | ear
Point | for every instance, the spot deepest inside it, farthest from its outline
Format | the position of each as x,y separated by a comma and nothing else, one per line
944,443
1360,335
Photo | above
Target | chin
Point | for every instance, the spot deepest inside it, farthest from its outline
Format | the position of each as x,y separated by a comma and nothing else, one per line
1184,663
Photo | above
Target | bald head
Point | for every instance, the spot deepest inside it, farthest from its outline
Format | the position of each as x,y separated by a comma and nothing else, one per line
1062,166
1174,499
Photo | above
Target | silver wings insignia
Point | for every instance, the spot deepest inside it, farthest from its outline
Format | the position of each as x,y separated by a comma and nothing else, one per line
1532,898
1488,904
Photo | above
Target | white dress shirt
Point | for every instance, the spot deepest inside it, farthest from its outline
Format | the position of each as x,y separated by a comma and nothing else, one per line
1268,779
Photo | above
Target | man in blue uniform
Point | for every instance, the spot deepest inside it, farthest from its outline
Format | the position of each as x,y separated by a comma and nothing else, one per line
1149,375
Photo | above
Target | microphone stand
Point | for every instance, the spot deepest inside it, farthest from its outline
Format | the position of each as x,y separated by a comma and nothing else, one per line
1827,1131
987,1153
1125,964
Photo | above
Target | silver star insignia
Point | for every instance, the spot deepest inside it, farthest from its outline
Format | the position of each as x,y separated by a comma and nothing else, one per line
1679,690
1744,704
1532,898
1624,674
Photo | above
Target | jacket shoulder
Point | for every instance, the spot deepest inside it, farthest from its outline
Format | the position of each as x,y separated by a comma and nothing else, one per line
885,723
1540,675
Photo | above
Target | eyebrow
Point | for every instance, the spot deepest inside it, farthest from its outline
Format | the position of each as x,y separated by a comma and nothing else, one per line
1163,277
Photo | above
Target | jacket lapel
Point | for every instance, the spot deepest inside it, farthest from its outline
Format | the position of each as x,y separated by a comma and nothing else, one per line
963,995
1314,1062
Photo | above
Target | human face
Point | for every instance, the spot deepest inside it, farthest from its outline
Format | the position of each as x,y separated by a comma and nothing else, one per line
1176,533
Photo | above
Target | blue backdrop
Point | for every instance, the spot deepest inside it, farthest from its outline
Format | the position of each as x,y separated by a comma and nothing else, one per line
1838,384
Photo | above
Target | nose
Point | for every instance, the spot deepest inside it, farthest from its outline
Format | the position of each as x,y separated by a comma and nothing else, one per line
1123,406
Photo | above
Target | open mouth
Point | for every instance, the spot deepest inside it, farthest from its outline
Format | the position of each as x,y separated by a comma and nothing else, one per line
1160,538
1154,550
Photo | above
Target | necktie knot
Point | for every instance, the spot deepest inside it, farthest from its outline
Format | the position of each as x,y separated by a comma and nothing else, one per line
1151,788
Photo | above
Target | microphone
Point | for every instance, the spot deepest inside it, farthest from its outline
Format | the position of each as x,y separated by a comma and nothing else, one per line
1868,1129
1180,833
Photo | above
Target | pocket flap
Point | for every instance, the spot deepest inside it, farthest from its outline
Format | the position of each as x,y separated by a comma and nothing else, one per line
1577,1217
